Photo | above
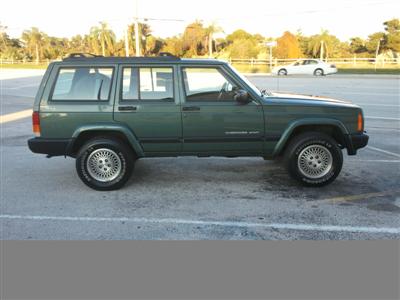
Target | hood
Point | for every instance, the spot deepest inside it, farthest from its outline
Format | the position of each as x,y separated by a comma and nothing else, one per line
290,96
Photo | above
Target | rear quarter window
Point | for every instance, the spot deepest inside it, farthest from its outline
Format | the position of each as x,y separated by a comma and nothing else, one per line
83,84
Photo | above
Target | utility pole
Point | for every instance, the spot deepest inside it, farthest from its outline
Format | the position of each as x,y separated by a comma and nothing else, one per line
321,52
126,43
377,52
210,43
137,42
270,45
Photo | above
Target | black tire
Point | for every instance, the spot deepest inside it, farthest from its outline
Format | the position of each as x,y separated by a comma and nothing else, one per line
282,72
123,155
313,141
319,72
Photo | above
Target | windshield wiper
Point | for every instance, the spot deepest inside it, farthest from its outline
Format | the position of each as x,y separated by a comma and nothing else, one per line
265,92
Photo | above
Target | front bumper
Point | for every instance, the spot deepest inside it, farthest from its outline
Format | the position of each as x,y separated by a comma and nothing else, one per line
51,147
355,142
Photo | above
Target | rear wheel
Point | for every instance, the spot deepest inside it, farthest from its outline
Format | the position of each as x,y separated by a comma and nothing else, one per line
282,72
105,164
319,72
313,159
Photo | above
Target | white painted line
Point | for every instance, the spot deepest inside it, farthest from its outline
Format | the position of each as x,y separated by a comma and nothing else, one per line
15,116
367,93
383,151
378,105
21,86
382,118
307,227
375,160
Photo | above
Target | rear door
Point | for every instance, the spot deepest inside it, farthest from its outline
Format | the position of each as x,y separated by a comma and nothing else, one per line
213,122
148,103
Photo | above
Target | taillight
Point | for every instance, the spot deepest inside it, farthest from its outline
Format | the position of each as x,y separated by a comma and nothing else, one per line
360,122
333,66
36,123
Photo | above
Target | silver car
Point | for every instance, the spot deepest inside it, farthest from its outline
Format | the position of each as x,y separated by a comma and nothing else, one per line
306,67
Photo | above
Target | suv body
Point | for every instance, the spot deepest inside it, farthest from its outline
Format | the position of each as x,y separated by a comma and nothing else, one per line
109,111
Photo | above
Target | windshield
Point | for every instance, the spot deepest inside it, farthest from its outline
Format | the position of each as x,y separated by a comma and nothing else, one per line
248,82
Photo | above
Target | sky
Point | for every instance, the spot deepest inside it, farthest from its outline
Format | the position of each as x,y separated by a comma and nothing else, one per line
345,19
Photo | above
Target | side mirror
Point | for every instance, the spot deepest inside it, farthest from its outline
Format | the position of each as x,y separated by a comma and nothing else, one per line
242,96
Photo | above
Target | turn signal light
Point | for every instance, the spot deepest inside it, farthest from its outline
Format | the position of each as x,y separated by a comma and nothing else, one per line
36,123
360,122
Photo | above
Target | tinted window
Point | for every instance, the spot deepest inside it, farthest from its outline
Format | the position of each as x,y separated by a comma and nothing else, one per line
83,84
147,84
207,84
312,62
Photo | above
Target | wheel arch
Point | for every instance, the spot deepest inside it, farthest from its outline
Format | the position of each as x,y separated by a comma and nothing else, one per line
84,133
332,127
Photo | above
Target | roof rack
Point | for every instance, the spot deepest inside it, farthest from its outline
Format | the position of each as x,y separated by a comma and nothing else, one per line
81,55
167,54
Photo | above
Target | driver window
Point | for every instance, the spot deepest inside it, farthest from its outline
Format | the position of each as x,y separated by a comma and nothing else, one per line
207,84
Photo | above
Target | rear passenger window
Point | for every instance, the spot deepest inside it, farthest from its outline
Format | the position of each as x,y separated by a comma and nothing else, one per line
83,84
147,84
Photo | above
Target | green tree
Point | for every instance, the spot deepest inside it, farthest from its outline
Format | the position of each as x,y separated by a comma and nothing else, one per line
102,38
34,41
357,45
194,39
243,49
392,28
323,43
173,45
239,34
373,41
212,29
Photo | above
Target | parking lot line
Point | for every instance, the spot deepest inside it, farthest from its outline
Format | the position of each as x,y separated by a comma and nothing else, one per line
375,160
362,196
382,118
383,151
284,226
15,116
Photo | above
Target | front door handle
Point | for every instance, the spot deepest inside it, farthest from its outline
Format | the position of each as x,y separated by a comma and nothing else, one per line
190,108
127,108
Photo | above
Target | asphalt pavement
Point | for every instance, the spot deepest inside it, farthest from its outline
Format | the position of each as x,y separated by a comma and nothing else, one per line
207,198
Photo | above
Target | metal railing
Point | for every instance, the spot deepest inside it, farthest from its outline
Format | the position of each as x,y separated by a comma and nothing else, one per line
252,61
337,61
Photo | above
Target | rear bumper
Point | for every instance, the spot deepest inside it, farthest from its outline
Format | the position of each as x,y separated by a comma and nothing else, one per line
355,142
51,147
330,71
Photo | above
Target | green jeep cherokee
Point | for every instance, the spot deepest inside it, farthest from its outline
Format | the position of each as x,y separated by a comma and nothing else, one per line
109,111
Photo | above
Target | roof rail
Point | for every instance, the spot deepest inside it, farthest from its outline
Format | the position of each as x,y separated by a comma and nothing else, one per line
167,54
81,55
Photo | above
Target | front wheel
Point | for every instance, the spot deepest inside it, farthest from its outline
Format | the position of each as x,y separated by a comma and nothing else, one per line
282,72
104,164
314,159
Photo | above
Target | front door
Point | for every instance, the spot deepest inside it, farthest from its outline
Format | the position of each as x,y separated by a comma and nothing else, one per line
213,122
148,104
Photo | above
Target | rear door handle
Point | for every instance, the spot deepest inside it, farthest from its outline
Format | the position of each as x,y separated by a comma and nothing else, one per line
127,108
190,108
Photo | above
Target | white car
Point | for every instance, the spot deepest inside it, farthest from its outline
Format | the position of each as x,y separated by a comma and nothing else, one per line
306,66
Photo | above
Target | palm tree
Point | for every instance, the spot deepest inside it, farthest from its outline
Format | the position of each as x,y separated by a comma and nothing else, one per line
210,31
34,41
102,38
320,43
